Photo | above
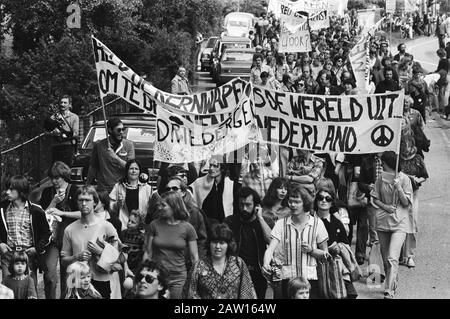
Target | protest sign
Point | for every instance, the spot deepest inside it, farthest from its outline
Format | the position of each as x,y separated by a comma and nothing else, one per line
319,20
295,42
115,77
390,6
359,59
411,5
292,19
366,19
347,124
188,138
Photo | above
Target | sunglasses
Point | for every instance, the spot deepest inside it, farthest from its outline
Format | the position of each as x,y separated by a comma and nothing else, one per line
149,279
326,198
173,188
120,129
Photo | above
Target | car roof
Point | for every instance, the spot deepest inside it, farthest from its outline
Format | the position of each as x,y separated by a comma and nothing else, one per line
239,14
227,38
132,119
245,50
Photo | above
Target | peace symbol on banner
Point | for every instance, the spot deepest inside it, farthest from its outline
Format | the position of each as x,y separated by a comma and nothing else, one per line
382,135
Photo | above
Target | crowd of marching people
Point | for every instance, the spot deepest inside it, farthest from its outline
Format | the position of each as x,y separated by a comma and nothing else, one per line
212,230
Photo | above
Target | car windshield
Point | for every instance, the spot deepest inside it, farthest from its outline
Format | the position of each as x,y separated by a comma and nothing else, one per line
237,56
238,24
142,137
211,42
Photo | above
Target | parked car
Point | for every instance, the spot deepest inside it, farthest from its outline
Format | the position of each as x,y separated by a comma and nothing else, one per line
206,56
224,43
239,24
139,128
235,63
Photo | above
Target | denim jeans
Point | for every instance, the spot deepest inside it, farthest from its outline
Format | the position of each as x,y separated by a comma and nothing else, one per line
391,246
51,256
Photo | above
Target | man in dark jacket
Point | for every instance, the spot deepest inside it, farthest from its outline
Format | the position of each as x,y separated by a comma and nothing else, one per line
23,226
388,84
251,233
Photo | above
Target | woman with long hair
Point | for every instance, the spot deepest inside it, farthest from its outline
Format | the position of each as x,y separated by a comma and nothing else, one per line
130,194
274,204
392,194
167,237
220,275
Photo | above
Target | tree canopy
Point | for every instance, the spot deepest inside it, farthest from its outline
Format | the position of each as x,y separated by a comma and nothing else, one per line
153,37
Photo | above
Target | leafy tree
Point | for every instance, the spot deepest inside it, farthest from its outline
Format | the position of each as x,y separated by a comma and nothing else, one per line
151,36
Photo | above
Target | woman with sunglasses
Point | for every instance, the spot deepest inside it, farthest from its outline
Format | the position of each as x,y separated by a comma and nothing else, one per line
392,194
168,236
325,209
130,194
220,275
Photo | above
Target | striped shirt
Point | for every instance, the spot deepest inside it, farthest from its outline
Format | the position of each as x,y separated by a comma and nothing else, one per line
295,262
19,226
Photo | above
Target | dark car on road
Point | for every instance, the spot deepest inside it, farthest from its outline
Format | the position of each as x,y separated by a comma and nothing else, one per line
139,128
234,63
223,44
206,57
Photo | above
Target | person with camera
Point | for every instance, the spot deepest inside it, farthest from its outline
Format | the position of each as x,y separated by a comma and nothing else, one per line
64,127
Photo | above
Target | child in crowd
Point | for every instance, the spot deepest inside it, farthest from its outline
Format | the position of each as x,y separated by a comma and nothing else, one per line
79,282
298,288
19,280
133,237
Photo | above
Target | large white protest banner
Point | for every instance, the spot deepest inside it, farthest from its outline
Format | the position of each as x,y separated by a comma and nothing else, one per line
115,77
188,130
347,124
187,138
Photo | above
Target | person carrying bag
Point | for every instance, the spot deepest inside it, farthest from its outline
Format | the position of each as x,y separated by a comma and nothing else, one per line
330,278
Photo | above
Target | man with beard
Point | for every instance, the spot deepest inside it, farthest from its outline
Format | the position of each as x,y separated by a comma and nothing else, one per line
388,84
110,156
84,238
251,233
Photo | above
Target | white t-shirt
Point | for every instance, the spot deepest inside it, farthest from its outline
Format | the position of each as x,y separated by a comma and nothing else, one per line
77,236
